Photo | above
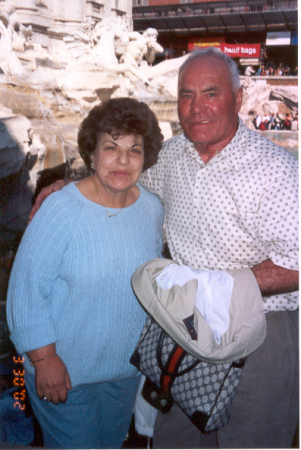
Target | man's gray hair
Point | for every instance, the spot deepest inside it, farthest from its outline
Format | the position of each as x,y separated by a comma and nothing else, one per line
213,51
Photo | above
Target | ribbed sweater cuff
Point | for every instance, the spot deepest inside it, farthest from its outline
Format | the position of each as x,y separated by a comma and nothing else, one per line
35,336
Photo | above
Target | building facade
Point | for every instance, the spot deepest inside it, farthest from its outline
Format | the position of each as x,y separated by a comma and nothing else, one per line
252,31
50,18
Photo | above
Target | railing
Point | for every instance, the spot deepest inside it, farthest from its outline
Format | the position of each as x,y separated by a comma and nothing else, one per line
225,9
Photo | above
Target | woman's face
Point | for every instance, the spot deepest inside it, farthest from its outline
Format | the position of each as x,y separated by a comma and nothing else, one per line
118,161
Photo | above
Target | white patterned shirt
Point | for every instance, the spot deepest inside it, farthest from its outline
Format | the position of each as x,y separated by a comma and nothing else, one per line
236,211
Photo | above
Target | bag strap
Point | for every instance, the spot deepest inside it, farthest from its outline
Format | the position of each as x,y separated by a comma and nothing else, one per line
170,371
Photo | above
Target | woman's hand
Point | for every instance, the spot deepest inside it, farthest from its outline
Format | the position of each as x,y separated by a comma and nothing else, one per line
52,380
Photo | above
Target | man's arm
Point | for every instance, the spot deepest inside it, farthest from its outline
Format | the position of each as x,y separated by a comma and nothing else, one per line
45,192
273,280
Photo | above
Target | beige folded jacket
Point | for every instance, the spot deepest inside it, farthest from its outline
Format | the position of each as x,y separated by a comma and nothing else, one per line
169,307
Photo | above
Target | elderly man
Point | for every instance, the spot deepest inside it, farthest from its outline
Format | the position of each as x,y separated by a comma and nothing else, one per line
231,201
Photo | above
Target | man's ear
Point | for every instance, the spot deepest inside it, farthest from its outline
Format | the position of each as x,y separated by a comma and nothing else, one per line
239,97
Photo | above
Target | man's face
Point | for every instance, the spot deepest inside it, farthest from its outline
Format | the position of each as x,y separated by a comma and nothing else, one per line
207,105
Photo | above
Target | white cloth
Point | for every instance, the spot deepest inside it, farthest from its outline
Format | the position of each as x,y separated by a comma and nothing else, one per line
234,212
213,295
145,414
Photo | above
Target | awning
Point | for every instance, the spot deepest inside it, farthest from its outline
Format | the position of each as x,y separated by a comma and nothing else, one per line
249,61
237,21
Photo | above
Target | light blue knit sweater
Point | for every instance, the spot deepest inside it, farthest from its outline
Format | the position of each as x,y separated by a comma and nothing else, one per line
71,283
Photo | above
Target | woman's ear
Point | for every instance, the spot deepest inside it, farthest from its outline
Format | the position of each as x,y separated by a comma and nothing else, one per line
92,161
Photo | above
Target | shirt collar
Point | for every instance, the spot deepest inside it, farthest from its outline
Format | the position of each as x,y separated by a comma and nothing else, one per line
233,153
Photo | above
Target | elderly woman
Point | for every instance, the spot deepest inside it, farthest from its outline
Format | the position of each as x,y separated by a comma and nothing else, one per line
71,309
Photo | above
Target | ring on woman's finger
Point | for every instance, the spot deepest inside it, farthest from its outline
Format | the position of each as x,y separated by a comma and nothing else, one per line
46,399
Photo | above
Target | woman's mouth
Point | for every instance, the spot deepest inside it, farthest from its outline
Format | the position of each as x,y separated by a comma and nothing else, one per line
120,173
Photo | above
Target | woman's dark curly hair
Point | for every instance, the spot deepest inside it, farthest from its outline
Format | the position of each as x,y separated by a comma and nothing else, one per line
121,116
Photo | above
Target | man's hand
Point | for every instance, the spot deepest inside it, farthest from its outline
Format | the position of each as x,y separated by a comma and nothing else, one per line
56,186
273,280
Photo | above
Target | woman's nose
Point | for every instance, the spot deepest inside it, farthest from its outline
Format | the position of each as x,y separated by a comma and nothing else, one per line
124,157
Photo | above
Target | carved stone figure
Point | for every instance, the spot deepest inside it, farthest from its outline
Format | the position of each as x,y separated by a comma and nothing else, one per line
140,46
13,37
41,3
109,38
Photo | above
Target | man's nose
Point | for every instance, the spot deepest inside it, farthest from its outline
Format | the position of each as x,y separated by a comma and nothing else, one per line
197,105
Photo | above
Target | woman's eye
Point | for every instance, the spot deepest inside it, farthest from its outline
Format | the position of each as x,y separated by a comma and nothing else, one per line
137,151
110,148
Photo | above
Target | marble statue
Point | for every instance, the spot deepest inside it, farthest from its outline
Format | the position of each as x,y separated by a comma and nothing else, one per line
109,40
142,46
14,37
110,44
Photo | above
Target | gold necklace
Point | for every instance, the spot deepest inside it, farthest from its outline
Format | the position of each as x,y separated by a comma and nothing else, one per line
109,214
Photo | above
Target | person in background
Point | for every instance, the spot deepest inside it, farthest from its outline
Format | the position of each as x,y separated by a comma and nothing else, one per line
261,68
254,121
70,307
286,71
264,125
231,201
257,121
287,125
249,70
279,70
272,122
295,124
279,121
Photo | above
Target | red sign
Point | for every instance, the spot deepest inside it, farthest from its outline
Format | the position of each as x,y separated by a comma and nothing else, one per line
241,50
203,42
233,50
201,45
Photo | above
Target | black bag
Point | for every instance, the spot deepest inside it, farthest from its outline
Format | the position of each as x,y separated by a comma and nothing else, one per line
203,391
